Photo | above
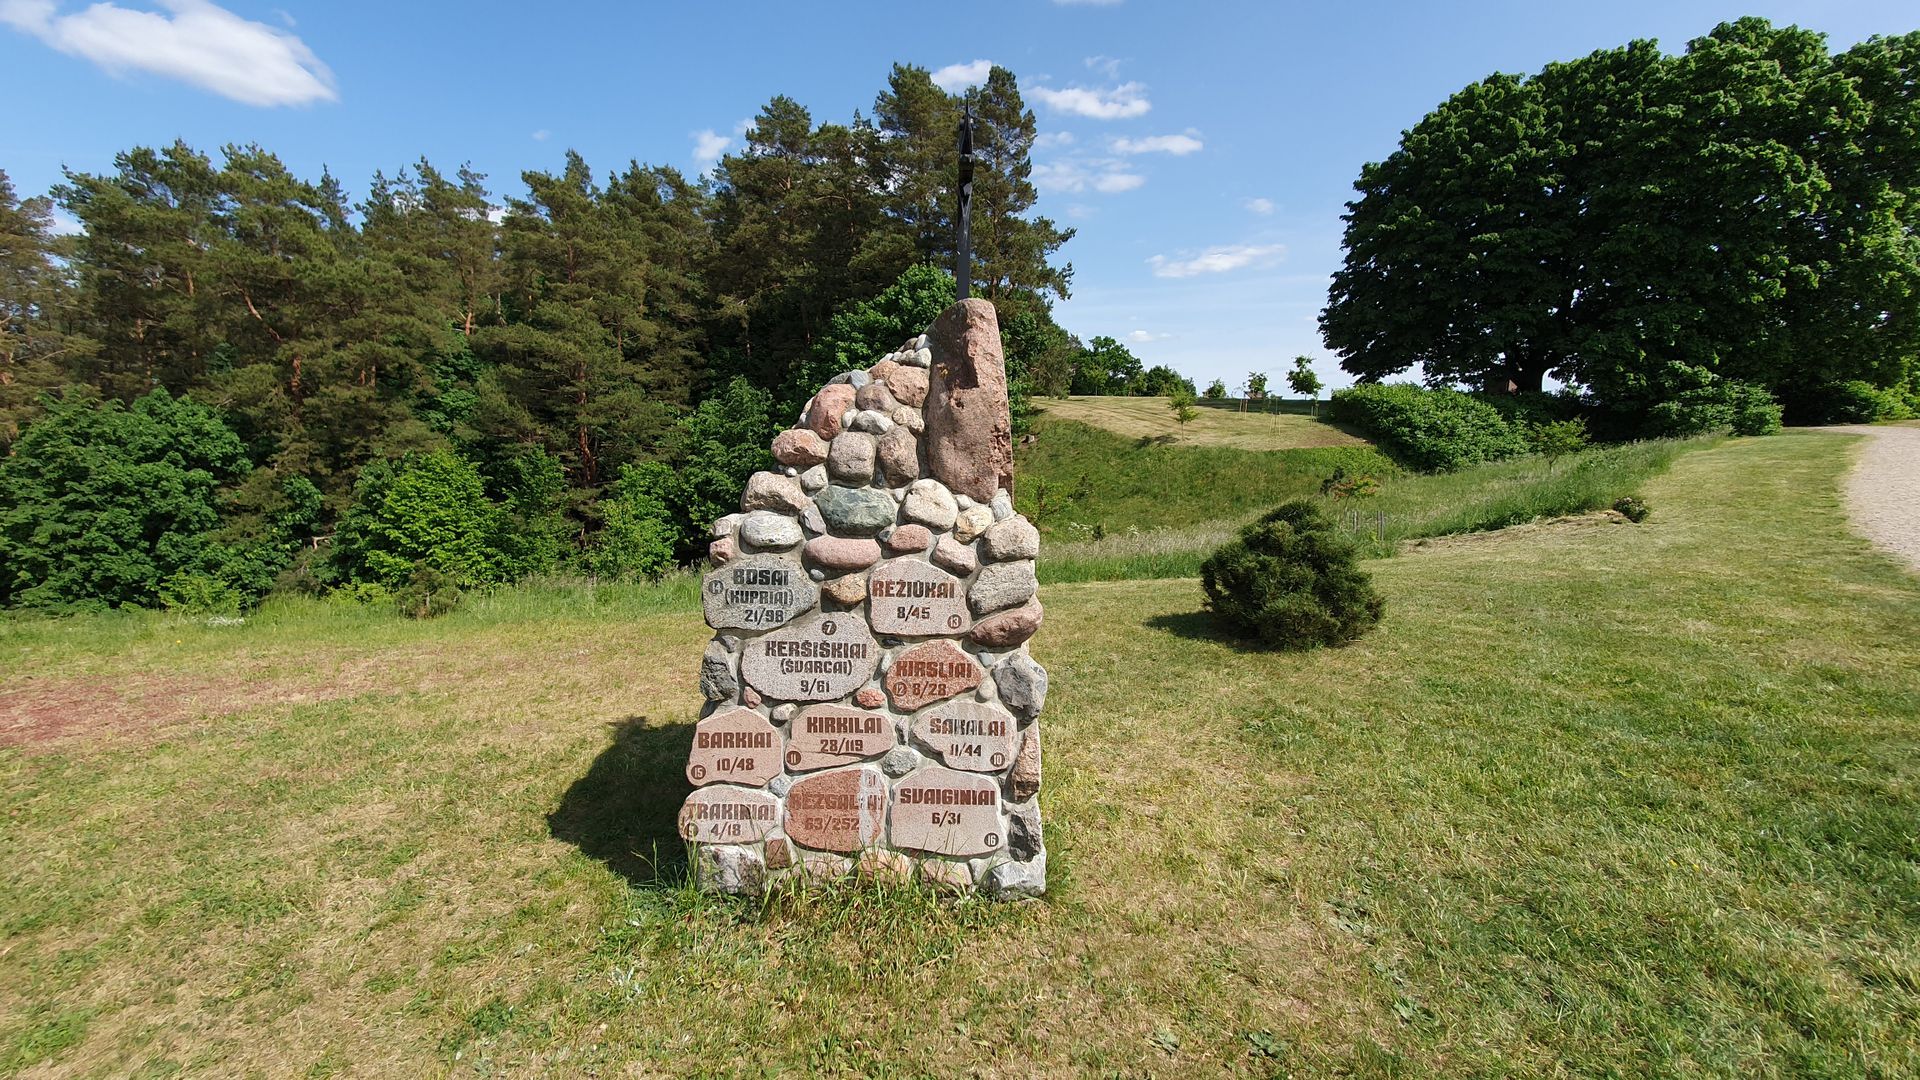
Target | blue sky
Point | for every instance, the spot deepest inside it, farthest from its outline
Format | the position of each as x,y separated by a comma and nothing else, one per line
1203,150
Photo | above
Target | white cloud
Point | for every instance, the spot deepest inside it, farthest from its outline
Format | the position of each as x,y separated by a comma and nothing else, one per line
194,41
1177,145
1076,175
1142,337
542,135
1122,102
1048,139
1263,207
1216,260
708,145
1105,65
65,224
957,77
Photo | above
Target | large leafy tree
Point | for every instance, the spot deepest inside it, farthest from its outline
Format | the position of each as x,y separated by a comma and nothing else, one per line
102,503
36,347
1631,221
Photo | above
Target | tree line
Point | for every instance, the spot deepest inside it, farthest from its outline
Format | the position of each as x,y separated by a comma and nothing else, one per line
232,379
1663,233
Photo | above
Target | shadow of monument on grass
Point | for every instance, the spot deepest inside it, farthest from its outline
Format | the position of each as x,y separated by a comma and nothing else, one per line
624,811
1200,626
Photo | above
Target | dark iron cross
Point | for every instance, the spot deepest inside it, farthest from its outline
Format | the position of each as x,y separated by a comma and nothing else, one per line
963,256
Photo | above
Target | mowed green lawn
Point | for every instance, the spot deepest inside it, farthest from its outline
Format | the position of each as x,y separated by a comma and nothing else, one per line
1618,801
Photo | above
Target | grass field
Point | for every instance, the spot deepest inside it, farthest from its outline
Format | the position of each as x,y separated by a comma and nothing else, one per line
1626,801
1151,418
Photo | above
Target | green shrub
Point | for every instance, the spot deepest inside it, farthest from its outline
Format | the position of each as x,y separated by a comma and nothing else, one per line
1683,400
1342,485
1632,507
200,594
1754,410
1861,402
428,593
101,503
427,508
1291,582
706,462
1556,439
638,536
1434,430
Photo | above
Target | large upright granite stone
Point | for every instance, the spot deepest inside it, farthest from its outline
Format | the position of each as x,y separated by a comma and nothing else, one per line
969,436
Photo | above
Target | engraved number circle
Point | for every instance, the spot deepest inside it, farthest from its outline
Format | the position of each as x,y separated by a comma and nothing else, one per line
699,772
829,629
993,839
714,587
793,757
953,622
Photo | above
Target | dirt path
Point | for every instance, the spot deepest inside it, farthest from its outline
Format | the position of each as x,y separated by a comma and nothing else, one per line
1883,492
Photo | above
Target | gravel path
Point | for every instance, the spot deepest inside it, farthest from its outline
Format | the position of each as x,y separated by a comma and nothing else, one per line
1883,492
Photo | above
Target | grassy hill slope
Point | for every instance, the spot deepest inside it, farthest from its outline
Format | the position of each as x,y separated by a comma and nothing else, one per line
1631,801
1150,418
1115,509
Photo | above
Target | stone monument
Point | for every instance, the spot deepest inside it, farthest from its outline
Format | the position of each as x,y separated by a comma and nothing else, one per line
871,707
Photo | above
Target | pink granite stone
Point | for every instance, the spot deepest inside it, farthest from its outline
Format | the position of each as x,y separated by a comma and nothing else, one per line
728,815
828,736
826,409
969,436
870,697
910,540
734,746
915,599
799,447
837,811
947,813
722,550
909,385
1005,629
929,672
842,554
956,556
968,735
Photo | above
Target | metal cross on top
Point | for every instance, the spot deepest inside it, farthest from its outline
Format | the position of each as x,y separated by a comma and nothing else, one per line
963,257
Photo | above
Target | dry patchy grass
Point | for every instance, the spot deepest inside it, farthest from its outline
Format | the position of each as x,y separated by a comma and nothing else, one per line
1151,418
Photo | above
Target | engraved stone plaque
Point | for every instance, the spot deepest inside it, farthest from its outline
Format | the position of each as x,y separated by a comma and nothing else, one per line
947,812
728,815
969,735
913,598
929,672
825,736
816,659
734,746
837,811
757,592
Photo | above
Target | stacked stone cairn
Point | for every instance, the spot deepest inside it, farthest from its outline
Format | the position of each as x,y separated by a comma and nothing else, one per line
871,707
